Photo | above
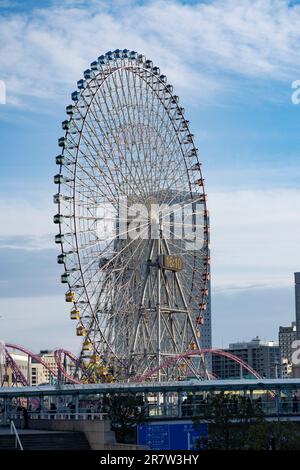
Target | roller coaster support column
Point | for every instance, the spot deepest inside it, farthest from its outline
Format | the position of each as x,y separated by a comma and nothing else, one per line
179,404
76,406
7,409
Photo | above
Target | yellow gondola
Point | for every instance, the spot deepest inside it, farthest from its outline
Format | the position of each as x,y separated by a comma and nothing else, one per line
94,358
80,331
70,296
75,314
87,345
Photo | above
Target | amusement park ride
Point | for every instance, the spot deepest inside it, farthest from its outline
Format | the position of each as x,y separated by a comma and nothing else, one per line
133,229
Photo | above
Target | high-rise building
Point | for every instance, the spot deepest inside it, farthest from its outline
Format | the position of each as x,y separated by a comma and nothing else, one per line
297,303
39,374
262,356
287,335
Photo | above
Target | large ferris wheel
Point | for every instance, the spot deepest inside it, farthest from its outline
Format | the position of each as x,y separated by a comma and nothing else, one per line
133,222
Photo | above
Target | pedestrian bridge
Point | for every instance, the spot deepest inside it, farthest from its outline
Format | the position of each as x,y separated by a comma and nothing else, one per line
276,398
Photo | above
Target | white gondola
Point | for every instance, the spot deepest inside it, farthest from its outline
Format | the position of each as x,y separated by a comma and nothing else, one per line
61,258
59,179
81,84
62,160
59,238
62,142
88,74
101,60
133,55
75,95
65,278
70,109
94,65
58,218
65,125
148,64
56,198
196,167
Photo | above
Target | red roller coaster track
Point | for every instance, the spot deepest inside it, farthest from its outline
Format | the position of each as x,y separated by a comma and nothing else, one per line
58,359
59,353
198,352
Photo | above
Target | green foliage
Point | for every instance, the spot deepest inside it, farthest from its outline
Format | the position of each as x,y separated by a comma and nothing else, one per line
125,411
282,435
237,423
229,417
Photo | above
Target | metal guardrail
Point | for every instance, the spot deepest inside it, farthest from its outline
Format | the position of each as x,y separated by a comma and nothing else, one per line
13,430
61,415
270,408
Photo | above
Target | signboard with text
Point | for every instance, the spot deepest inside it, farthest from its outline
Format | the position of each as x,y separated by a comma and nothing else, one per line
171,435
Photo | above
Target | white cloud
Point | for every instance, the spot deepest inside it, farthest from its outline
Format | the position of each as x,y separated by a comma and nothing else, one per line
26,217
255,234
38,323
201,47
255,238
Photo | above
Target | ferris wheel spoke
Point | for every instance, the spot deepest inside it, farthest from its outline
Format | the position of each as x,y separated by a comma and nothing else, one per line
109,262
135,182
127,147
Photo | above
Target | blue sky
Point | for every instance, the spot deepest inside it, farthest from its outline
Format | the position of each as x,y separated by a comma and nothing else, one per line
232,64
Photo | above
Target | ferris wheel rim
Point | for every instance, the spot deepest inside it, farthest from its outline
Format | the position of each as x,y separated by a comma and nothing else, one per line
184,158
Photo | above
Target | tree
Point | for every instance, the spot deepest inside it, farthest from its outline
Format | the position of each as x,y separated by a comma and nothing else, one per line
229,417
274,436
125,411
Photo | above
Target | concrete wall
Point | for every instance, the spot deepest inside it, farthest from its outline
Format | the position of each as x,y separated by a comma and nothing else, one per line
98,433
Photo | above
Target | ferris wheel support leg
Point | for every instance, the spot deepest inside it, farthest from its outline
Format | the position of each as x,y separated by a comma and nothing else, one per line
188,314
138,323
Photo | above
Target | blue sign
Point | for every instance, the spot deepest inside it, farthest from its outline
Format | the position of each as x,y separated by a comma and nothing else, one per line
171,436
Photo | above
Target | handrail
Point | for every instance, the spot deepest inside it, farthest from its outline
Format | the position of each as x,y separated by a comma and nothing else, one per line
14,431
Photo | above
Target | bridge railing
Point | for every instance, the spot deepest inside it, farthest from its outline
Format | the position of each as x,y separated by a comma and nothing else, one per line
269,408
60,416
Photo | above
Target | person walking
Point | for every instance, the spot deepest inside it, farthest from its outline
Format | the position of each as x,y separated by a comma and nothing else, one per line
295,404
25,417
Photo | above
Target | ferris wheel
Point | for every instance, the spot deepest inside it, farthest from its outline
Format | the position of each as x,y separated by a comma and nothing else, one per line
133,222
